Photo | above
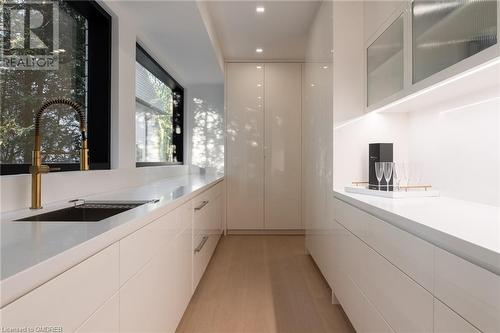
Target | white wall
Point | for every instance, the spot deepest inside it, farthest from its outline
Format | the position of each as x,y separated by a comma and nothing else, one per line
458,151
352,139
205,125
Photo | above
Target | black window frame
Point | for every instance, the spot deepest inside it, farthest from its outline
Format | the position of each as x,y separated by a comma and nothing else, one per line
148,62
98,91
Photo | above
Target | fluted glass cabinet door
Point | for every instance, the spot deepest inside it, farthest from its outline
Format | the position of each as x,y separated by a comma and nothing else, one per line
446,32
385,69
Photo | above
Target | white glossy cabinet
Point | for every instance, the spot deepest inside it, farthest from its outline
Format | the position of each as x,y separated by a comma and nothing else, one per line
69,299
447,321
283,88
471,291
206,230
105,320
245,146
146,302
389,280
411,254
264,145
404,304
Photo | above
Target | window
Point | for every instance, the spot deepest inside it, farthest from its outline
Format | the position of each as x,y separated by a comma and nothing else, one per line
82,31
158,115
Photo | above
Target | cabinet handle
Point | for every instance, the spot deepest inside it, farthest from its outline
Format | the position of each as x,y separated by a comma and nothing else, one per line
202,243
203,204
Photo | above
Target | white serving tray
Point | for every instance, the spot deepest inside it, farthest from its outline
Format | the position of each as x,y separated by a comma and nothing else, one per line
393,194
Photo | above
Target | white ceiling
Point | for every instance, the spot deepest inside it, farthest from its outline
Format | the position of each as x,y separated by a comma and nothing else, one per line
176,33
281,30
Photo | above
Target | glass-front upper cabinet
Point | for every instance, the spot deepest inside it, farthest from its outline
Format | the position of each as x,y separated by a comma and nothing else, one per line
385,63
446,32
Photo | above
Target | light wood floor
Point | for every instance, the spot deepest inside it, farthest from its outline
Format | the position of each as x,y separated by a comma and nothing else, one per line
262,284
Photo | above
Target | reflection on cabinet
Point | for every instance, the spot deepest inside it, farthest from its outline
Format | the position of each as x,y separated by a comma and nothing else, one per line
264,145
245,146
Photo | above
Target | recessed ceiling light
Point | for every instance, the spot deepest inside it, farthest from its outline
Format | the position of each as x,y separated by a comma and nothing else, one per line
259,50
259,67
260,9
259,85
325,67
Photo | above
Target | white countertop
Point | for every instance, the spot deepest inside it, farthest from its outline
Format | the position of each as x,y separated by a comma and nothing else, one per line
467,229
32,253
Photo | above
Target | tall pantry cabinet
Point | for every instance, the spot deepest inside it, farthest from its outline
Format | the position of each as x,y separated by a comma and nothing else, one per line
264,106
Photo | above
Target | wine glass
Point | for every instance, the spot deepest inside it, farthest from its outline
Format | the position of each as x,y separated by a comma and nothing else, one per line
396,175
379,172
399,174
388,166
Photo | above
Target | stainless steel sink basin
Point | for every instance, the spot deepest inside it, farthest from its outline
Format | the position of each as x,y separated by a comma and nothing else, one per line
90,211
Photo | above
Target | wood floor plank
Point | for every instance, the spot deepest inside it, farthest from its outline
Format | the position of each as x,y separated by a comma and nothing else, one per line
262,284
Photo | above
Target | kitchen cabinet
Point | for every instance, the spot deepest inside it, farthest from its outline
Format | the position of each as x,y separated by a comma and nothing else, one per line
418,44
142,283
105,319
283,89
245,145
444,34
206,230
146,302
69,299
385,63
411,285
447,321
471,291
264,145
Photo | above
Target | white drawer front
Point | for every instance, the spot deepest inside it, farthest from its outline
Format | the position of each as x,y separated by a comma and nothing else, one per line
409,253
447,321
69,299
469,290
362,314
404,304
106,319
138,248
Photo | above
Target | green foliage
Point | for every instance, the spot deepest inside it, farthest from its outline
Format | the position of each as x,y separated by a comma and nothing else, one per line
23,91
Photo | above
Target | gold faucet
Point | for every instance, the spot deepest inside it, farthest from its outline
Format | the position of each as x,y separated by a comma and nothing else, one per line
37,168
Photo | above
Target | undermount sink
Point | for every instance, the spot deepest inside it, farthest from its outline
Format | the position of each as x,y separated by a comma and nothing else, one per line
90,211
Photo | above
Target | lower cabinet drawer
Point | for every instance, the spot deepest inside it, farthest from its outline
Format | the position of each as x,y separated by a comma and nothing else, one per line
69,299
404,304
447,321
361,312
201,255
471,291
409,253
106,319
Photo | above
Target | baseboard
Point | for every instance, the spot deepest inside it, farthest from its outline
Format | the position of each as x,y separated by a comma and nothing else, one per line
265,232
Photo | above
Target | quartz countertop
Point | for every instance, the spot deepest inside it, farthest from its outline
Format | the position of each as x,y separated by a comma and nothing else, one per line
32,253
467,229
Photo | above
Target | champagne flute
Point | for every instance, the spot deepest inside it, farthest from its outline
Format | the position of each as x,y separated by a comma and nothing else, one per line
379,172
388,166
396,175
